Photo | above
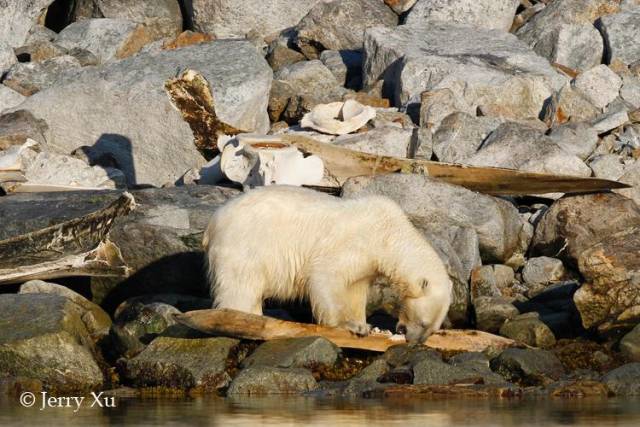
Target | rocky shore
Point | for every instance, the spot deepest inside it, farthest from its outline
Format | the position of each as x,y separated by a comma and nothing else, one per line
106,185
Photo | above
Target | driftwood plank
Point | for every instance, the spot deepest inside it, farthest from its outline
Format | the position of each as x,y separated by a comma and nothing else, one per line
342,163
250,326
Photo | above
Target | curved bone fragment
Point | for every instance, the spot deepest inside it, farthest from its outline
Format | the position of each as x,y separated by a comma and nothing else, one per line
338,118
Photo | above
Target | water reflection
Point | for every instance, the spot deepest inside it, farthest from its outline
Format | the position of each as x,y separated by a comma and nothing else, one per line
317,412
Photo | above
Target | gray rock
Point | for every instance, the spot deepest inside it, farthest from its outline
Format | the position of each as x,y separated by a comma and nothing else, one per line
366,380
492,312
340,25
529,367
9,98
17,127
612,119
423,148
542,270
163,16
437,372
346,66
182,363
311,79
39,33
485,14
563,32
294,353
484,283
107,39
280,55
599,85
479,363
578,139
43,337
386,141
437,104
568,104
7,57
528,329
95,319
625,380
621,32
236,18
518,146
460,135
478,66
631,176
600,216
630,345
607,166
32,77
153,146
495,220
268,380
630,91
40,51
18,17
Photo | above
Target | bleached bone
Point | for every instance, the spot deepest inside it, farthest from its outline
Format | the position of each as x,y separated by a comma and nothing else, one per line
338,118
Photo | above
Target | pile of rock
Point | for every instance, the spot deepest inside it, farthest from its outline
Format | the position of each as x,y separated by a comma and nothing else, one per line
536,86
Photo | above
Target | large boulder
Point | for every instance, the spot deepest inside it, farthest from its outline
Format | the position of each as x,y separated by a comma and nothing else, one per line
564,32
294,353
267,380
43,337
621,32
236,18
486,14
495,220
162,17
340,25
482,68
107,108
18,17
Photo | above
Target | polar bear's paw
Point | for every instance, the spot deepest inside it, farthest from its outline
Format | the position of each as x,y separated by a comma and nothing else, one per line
359,329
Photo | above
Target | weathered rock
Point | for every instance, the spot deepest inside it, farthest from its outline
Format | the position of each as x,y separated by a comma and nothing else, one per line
529,367
478,66
492,312
96,320
485,14
9,98
568,104
366,380
576,223
386,141
625,380
236,18
153,146
43,337
107,39
18,17
346,66
340,25
294,353
484,283
630,91
39,33
7,57
182,363
460,135
517,146
432,371
578,139
479,363
163,17
542,270
495,220
611,119
17,127
620,32
563,32
599,85
312,80
630,345
528,329
267,380
279,56
31,77
631,176
607,166
611,297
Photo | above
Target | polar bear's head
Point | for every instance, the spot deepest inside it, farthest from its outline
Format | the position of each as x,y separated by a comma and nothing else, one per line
423,313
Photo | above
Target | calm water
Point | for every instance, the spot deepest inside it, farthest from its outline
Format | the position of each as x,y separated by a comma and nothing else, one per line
314,412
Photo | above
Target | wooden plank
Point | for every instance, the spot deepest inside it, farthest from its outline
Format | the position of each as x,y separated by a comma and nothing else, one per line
342,163
238,324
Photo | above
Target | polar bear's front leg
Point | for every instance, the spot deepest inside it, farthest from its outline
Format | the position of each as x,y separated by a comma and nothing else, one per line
339,304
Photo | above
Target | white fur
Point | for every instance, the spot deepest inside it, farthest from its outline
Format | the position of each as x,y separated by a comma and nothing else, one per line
289,243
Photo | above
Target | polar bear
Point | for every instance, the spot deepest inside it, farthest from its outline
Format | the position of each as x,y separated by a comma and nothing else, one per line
289,243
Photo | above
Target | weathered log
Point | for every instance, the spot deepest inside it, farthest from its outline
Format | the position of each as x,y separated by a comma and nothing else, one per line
250,326
36,244
342,164
191,94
